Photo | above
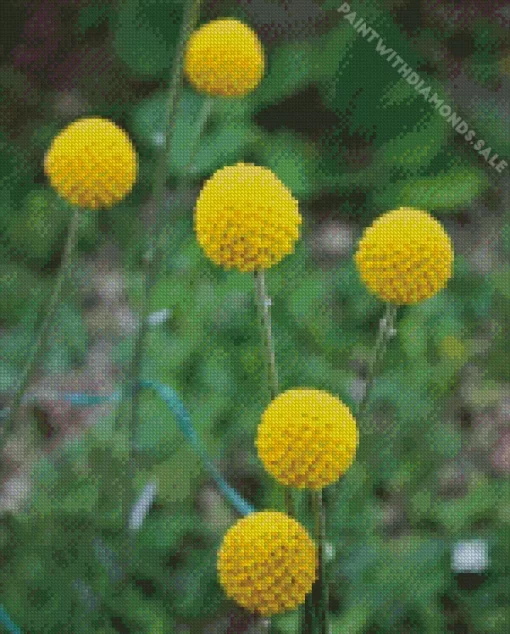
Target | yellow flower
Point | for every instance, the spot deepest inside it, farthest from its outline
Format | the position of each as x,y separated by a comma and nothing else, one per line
245,218
91,163
224,58
267,563
307,438
405,256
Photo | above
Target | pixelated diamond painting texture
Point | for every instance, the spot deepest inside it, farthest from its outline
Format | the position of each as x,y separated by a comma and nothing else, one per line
254,317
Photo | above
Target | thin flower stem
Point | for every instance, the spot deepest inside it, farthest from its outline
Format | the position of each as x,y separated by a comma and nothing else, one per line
162,235
308,616
385,333
39,346
153,256
316,604
202,120
264,310
320,595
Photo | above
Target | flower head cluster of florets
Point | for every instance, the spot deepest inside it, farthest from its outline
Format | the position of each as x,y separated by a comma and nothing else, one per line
92,163
246,218
405,256
267,562
307,438
224,58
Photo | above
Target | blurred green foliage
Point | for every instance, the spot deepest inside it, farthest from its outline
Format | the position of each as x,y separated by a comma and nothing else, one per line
351,139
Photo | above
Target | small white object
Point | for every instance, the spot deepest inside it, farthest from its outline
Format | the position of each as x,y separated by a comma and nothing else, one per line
470,556
159,317
142,506
329,551
358,389
158,138
388,329
268,302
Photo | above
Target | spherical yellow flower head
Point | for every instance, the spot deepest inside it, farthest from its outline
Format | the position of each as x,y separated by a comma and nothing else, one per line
307,438
267,563
224,58
245,218
91,163
405,256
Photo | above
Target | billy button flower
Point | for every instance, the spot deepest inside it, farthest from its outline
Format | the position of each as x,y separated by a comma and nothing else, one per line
91,163
405,256
245,218
307,438
267,563
224,58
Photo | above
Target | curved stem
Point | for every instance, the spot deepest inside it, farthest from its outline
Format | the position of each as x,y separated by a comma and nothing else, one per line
384,334
153,256
264,311
39,346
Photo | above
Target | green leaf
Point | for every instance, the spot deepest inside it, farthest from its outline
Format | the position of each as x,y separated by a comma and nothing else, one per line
70,339
145,35
443,439
33,232
501,281
293,160
450,190
20,291
359,91
412,149
177,475
224,144
307,295
289,69
329,50
15,177
91,16
488,119
459,514
148,118
220,147
163,533
156,435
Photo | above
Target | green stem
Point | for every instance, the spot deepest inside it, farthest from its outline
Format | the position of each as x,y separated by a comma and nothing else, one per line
320,595
308,616
385,333
263,305
153,256
39,346
264,311
201,122
315,615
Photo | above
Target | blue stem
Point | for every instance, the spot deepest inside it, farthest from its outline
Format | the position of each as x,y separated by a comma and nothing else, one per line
172,400
7,622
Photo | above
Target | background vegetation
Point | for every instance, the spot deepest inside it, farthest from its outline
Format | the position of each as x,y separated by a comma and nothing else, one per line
351,139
